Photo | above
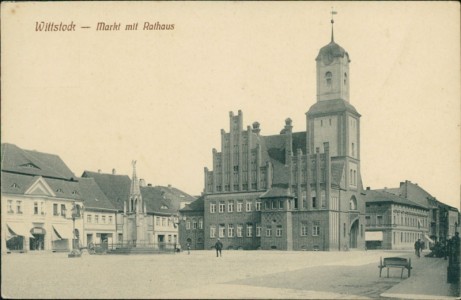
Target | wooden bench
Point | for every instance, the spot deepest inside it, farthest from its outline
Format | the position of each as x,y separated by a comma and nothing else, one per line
395,262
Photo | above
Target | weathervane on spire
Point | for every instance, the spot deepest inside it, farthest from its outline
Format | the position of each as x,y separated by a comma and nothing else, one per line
333,12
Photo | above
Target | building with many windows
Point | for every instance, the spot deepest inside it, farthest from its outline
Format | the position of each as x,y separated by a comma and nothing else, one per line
293,190
393,222
40,198
443,219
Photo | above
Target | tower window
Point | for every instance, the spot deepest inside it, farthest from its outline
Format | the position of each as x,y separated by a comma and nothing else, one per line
345,78
328,77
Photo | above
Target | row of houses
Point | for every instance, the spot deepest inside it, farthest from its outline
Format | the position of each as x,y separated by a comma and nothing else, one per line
46,207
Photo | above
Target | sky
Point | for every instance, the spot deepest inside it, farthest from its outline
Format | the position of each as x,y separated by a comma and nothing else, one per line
100,99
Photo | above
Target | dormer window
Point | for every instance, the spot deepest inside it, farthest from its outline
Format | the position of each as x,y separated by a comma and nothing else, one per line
164,207
328,78
74,192
14,185
30,165
59,190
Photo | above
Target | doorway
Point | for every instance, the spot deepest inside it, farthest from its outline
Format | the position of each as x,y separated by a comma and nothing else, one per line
37,242
354,234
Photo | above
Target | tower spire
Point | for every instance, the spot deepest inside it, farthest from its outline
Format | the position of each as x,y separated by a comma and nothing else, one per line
134,181
333,12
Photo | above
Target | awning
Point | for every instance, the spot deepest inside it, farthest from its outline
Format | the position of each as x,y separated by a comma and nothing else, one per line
63,232
373,235
428,238
19,229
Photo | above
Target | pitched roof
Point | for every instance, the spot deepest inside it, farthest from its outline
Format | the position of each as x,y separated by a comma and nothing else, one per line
197,205
332,50
277,192
331,106
175,192
115,187
17,160
14,183
93,196
156,202
376,196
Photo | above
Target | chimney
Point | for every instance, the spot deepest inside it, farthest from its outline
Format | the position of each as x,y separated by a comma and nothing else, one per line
149,184
169,186
113,172
368,188
142,182
99,171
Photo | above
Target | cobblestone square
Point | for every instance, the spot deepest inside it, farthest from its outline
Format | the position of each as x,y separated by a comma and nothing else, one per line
238,274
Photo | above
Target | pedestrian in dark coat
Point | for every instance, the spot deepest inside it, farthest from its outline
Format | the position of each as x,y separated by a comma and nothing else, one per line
418,247
218,247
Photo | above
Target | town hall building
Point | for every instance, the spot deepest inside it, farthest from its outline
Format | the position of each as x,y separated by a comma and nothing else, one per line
293,190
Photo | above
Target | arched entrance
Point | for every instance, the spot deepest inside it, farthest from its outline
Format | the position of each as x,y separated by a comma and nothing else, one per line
354,232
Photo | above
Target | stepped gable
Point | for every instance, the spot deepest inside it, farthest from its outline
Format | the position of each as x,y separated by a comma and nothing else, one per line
17,160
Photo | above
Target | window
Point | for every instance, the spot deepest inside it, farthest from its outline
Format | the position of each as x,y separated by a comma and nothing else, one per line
212,208
200,223
239,206
248,205
55,209
353,204
63,210
194,224
345,78
240,230
163,221
314,202
316,228
157,221
266,205
212,231
96,219
222,206
328,77
273,205
187,225
88,218
103,219
268,231
258,205
18,207
10,206
353,150
379,220
280,204
249,230
110,219
230,230
367,220
42,208
222,230
230,206
35,208
304,229
278,231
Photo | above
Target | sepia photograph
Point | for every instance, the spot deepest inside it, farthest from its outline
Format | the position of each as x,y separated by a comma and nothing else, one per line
230,150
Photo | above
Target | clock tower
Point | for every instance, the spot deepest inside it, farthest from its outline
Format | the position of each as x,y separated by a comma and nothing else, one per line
332,72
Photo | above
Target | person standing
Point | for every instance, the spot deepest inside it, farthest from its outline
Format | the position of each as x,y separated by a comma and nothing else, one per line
218,247
188,248
418,247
